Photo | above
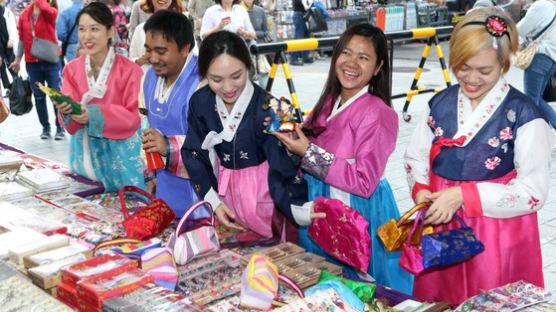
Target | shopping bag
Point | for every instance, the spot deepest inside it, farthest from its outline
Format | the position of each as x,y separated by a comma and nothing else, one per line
411,258
260,282
147,221
315,20
450,247
524,57
20,96
194,238
343,233
394,232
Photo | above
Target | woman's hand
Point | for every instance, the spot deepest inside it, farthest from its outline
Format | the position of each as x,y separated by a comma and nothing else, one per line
82,118
224,22
15,65
63,108
422,196
227,217
444,204
296,142
153,141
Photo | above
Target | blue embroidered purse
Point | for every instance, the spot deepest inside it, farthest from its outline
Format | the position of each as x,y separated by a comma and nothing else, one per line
450,247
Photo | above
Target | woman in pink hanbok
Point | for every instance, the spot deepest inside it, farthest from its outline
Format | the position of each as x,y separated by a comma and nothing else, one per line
353,130
483,153
105,144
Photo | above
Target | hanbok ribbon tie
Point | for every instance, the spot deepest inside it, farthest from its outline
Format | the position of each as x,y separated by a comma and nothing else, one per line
230,123
444,142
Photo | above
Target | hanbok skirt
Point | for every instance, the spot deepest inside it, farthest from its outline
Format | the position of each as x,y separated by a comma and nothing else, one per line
512,253
246,192
377,209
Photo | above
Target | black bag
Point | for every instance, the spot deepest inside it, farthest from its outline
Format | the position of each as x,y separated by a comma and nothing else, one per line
315,20
20,96
549,94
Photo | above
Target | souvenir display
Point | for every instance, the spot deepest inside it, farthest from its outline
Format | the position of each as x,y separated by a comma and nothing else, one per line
48,275
17,293
91,292
259,283
13,237
211,278
230,238
306,272
159,263
149,298
95,266
13,191
510,297
42,180
9,161
53,255
323,301
17,253
275,253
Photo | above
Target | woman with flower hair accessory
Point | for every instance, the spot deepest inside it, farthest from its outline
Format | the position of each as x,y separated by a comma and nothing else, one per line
471,156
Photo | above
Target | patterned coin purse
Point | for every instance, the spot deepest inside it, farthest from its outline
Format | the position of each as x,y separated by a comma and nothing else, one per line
394,232
343,233
147,221
450,247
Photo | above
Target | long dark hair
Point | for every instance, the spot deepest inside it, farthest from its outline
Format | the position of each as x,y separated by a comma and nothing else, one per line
222,42
379,84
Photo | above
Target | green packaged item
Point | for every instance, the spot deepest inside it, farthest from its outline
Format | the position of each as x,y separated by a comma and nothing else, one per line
60,98
363,291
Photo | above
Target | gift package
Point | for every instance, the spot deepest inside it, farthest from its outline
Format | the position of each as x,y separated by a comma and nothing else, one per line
91,292
53,255
48,275
17,253
43,180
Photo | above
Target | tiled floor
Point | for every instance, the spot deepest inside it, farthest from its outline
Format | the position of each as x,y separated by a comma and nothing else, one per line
24,131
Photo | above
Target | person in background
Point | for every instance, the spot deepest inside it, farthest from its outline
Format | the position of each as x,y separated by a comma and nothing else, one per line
197,9
352,133
13,39
137,47
242,172
66,29
536,76
227,15
258,18
167,87
482,152
301,32
121,44
39,20
105,143
138,16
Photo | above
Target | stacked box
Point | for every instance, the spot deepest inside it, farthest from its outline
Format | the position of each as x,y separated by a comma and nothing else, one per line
17,253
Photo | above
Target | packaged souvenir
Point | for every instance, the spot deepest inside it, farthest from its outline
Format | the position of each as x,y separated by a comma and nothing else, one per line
91,292
55,255
282,117
17,253
60,98
95,266
48,275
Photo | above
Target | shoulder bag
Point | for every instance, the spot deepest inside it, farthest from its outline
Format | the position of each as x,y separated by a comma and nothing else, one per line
525,55
43,49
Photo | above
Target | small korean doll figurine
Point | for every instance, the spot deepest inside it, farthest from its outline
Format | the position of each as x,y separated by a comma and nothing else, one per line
281,115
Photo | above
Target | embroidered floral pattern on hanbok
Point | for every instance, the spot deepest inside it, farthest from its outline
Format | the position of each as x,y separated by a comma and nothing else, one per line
508,201
494,142
506,134
431,122
533,202
438,132
511,116
504,147
492,163
317,161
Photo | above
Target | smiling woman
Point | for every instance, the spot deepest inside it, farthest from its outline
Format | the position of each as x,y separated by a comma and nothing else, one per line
471,155
104,143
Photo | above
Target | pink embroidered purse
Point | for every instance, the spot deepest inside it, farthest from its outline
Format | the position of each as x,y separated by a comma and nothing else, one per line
343,233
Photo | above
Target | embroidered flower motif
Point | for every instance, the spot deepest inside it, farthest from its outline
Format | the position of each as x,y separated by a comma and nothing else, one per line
506,133
431,122
226,157
438,132
297,180
533,202
492,163
243,155
504,147
511,116
494,142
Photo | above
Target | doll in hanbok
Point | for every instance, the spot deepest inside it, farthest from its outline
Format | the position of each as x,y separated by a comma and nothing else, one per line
105,144
246,175
482,151
352,132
